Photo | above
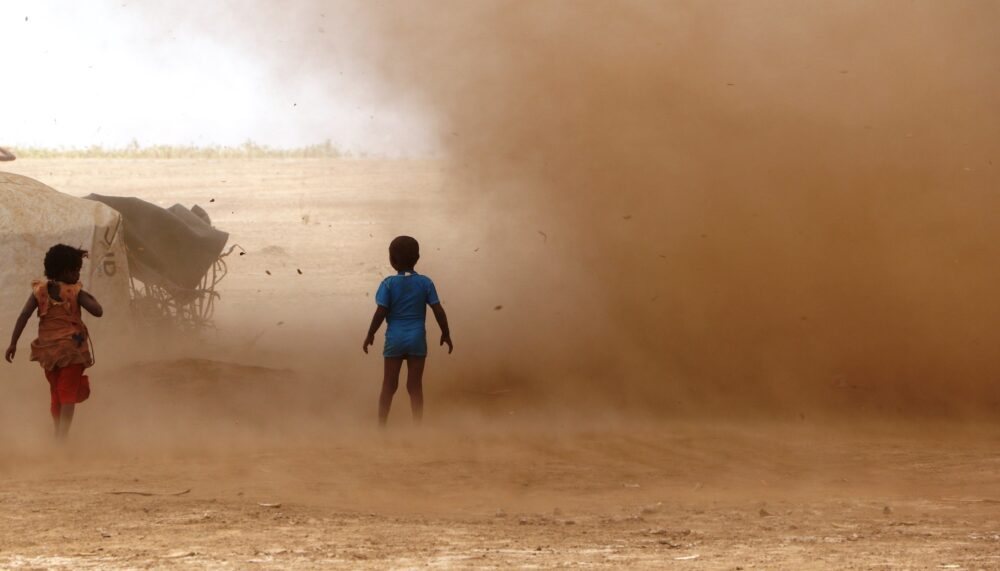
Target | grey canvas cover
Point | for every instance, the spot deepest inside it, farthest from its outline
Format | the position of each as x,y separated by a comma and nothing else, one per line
169,247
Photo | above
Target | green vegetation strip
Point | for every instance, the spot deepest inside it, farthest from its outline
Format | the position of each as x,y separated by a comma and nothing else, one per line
248,150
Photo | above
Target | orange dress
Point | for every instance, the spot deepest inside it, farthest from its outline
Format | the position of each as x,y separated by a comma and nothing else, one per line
63,344
62,337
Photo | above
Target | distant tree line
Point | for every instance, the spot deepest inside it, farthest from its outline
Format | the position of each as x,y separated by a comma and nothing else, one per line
248,150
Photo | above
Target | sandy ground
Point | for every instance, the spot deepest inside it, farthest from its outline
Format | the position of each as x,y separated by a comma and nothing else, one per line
254,446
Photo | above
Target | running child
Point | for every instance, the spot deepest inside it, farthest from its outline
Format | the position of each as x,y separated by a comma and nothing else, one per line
63,344
402,300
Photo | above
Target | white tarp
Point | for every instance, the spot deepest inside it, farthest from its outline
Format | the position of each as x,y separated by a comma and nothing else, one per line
35,217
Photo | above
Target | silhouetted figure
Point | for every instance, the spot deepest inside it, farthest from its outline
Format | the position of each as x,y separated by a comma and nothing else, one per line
403,299
63,344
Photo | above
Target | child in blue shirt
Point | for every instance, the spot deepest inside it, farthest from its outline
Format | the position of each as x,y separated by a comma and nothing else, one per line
402,300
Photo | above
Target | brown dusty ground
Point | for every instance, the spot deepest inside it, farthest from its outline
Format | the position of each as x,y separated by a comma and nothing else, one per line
254,448
698,497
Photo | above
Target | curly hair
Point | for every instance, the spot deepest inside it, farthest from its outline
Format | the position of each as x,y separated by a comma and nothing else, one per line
404,252
62,258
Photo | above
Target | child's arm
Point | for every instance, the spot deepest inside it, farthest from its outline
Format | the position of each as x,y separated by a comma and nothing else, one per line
29,307
90,303
377,319
442,320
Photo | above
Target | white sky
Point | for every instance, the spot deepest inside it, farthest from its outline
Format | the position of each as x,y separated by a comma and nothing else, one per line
81,73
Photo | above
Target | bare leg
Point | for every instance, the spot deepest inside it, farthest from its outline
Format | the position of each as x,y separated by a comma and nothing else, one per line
390,382
65,420
415,386
56,411
54,406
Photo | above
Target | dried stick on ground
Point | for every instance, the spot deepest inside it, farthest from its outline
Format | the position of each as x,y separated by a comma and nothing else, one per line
138,493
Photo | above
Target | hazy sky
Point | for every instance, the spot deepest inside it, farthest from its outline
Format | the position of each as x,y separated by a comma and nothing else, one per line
101,72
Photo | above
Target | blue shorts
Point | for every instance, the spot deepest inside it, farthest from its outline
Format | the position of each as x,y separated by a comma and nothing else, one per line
405,341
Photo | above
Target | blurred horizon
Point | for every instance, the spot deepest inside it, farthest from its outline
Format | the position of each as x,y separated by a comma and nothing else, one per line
248,149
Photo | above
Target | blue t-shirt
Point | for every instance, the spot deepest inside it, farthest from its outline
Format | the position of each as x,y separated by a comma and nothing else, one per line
406,296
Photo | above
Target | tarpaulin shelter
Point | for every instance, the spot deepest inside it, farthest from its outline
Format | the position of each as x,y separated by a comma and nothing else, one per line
35,217
157,265
175,254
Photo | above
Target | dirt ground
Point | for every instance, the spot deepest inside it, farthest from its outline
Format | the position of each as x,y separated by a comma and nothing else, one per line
702,497
254,446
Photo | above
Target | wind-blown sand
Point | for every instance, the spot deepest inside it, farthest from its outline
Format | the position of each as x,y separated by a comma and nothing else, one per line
257,442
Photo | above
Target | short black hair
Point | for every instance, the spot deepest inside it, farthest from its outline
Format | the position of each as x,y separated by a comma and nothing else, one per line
61,258
404,252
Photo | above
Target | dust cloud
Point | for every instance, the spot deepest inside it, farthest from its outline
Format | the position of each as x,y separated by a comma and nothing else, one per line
705,211
689,206
741,204
745,205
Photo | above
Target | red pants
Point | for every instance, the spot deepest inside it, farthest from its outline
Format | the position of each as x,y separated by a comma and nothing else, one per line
68,385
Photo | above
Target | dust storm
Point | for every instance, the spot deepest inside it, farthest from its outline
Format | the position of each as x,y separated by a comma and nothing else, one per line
711,268
741,207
